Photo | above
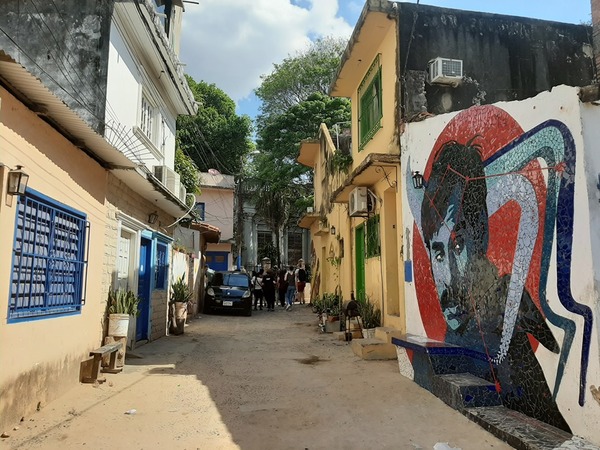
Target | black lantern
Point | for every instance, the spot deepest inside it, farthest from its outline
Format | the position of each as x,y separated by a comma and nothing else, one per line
152,217
417,179
332,230
17,181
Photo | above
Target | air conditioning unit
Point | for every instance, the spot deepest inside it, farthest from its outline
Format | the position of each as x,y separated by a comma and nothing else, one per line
358,204
445,71
168,177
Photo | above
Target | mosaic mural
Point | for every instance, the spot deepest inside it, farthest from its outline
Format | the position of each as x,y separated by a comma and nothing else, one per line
496,201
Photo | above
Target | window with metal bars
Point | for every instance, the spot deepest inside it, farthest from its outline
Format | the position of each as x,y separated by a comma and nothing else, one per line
162,265
370,104
373,240
49,259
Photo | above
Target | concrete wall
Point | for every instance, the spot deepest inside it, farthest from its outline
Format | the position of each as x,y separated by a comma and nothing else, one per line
66,49
127,80
504,57
504,247
40,358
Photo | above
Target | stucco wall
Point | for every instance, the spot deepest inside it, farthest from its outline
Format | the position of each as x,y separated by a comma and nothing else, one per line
218,209
121,198
384,140
40,358
502,247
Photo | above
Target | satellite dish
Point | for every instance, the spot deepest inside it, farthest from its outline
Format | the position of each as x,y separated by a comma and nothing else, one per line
214,172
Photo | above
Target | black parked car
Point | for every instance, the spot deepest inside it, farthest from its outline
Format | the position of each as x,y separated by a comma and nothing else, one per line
228,291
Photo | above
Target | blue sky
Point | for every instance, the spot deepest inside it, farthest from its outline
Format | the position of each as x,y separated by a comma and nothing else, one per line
231,43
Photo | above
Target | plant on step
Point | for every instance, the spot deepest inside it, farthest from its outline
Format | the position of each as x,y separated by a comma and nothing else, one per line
180,292
330,304
369,313
121,301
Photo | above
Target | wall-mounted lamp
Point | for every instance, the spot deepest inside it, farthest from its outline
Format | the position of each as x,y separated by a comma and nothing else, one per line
152,217
417,179
332,230
17,181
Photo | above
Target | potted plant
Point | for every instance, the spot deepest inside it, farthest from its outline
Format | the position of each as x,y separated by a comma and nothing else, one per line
180,296
370,316
121,305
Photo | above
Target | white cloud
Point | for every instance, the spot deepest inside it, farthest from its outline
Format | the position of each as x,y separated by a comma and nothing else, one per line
232,42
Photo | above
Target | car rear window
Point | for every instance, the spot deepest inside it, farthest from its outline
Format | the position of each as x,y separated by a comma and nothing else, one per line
236,280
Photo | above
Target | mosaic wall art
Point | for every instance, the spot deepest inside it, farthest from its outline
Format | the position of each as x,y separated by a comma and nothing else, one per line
496,202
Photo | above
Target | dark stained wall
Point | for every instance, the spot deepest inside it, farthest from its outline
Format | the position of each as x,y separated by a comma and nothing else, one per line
65,43
504,57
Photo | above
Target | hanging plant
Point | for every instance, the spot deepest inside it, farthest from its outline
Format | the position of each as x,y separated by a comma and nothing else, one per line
339,162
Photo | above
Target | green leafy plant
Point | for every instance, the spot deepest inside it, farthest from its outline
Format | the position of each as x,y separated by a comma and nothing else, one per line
331,304
340,161
121,301
369,313
180,292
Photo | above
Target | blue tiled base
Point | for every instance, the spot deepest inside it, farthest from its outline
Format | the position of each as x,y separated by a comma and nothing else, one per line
463,390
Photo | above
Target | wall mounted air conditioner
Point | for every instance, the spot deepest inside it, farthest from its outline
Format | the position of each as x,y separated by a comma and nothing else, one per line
445,71
358,204
168,177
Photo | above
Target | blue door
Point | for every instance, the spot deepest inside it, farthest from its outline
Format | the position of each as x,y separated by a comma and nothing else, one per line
144,289
217,260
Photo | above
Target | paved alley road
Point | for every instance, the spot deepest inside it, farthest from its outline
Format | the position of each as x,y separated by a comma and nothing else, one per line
270,381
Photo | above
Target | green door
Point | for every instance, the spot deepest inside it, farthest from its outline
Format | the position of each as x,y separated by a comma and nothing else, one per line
359,234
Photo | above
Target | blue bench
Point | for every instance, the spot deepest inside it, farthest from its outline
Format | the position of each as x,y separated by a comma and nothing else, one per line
451,372
429,357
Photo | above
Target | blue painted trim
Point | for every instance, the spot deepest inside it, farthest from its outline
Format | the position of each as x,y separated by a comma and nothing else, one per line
163,238
44,317
55,204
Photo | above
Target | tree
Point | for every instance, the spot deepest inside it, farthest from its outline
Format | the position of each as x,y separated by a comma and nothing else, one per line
216,137
187,170
300,76
295,103
279,141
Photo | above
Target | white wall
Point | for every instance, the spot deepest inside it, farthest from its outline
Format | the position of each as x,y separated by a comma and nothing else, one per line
571,289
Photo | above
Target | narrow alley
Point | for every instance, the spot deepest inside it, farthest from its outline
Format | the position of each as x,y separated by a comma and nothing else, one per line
270,381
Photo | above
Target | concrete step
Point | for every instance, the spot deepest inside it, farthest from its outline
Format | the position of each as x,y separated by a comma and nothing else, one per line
372,349
386,334
524,432
464,390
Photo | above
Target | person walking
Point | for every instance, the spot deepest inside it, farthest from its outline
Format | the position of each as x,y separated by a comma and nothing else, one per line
300,281
257,289
290,279
281,286
268,285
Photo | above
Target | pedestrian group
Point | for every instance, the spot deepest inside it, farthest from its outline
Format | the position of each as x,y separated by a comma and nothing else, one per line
288,285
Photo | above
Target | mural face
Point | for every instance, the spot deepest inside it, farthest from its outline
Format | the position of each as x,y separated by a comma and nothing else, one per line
494,199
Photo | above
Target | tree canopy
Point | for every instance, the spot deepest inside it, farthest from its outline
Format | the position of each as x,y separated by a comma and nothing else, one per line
295,103
279,141
298,77
216,137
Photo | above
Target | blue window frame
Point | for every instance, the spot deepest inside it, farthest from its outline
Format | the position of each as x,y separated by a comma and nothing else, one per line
200,210
49,259
161,266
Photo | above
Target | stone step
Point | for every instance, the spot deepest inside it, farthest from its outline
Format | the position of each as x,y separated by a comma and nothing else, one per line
464,390
523,432
386,334
372,349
